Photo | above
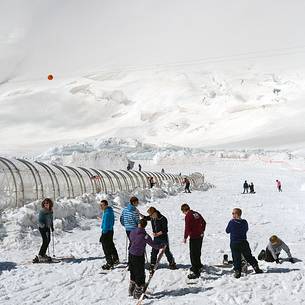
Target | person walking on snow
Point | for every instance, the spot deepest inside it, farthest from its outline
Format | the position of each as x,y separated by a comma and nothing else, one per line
138,240
187,185
237,228
246,187
273,250
45,224
251,187
140,167
160,229
278,185
106,238
194,229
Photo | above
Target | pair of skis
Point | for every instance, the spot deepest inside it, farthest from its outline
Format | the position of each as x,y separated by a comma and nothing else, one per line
140,300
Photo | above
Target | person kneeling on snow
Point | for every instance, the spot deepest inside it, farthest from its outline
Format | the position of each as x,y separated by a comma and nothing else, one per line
237,228
138,240
274,249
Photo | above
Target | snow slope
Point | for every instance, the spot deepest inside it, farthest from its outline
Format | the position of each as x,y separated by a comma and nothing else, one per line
268,212
194,108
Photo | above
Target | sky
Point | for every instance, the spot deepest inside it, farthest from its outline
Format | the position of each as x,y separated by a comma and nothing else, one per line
73,36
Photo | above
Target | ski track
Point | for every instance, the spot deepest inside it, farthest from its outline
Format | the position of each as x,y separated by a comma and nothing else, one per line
268,212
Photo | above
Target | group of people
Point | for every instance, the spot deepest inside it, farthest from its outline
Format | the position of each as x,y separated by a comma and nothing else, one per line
135,223
248,187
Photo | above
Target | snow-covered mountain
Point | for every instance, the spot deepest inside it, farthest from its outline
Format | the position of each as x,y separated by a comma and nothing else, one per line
194,108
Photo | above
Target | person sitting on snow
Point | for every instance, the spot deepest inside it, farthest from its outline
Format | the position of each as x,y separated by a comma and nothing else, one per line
273,250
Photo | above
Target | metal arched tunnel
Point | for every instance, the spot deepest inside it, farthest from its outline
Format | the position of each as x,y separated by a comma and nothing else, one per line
22,181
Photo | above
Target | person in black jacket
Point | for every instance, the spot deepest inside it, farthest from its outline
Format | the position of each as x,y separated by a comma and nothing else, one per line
159,228
246,187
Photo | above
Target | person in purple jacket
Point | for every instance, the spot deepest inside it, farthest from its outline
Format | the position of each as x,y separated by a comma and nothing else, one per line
138,240
237,228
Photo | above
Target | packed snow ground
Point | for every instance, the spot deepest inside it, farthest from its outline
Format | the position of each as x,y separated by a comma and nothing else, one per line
268,212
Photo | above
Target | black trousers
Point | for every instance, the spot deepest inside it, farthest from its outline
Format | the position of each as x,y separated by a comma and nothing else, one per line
46,238
154,252
242,248
110,251
195,254
245,190
187,188
269,257
137,269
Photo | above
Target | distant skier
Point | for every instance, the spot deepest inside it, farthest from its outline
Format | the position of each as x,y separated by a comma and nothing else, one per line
273,250
251,187
140,167
151,182
138,240
194,229
237,228
162,171
45,224
128,167
246,187
187,183
130,216
160,229
106,238
279,185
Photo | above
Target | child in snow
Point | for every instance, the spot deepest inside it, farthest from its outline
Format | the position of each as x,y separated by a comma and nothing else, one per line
273,250
159,228
278,185
237,228
45,224
187,185
106,239
251,187
194,229
130,215
138,240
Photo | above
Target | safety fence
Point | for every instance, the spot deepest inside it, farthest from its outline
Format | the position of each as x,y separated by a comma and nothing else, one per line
22,181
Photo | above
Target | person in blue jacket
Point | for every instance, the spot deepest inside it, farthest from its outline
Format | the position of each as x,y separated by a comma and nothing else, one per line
106,239
237,228
130,216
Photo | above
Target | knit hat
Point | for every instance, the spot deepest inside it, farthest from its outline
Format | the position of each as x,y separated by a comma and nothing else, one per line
274,239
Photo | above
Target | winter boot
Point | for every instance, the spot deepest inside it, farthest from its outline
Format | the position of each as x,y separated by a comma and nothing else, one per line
172,266
257,269
225,260
131,288
138,291
193,276
116,261
262,255
151,268
107,266
237,274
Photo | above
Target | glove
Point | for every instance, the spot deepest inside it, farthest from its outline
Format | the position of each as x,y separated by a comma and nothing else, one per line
277,261
291,260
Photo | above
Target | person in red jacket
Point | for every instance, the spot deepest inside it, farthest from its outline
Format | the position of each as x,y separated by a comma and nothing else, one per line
194,229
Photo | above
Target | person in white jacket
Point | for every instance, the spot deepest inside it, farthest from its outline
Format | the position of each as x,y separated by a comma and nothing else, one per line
273,250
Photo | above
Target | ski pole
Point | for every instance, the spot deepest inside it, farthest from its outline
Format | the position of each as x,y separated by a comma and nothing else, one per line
53,243
126,248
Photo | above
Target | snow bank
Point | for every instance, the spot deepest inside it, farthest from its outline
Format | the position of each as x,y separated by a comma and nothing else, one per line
68,213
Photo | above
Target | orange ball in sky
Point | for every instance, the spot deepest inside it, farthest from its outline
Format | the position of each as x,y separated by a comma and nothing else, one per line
50,77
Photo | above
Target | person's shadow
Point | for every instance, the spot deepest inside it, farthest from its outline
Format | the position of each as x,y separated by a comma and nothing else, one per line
7,266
